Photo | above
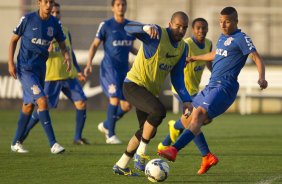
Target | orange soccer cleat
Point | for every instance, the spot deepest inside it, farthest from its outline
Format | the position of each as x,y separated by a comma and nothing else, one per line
207,162
169,153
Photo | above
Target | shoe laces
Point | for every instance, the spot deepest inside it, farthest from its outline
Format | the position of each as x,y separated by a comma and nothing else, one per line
143,158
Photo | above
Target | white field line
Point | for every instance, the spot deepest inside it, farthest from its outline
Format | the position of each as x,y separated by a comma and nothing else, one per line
270,180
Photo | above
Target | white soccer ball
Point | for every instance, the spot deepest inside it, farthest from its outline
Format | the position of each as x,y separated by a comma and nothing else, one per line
157,170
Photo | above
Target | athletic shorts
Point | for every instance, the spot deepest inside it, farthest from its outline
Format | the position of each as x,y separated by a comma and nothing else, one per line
32,83
215,100
111,82
70,87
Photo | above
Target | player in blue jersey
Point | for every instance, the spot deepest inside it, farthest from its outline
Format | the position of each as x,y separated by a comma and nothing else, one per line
57,80
233,48
114,66
162,52
198,45
36,30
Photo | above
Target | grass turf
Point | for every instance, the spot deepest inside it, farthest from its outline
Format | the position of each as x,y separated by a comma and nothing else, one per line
249,149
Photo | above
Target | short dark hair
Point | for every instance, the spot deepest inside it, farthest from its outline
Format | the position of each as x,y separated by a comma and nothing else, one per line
57,4
228,11
179,13
199,20
113,2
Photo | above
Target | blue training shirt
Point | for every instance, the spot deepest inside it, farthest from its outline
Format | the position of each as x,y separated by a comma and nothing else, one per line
231,54
36,35
117,45
150,47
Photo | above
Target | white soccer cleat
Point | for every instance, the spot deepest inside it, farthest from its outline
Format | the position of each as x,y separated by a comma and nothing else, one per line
57,149
113,140
18,147
103,130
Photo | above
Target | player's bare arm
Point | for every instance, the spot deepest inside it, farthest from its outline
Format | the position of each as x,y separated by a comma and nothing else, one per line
206,57
11,65
134,50
66,55
92,51
261,69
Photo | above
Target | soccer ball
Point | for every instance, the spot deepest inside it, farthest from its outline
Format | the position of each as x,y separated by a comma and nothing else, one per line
157,170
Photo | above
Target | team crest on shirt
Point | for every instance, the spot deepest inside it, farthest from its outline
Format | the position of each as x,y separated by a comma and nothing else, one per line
112,88
50,31
228,41
35,89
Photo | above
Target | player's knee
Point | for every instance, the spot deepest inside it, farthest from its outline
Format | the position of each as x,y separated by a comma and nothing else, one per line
126,107
80,105
27,108
42,103
155,118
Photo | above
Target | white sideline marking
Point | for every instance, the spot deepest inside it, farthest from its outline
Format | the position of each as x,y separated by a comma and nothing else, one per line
271,180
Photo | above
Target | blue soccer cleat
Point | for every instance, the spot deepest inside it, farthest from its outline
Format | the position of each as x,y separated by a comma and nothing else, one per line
126,172
139,161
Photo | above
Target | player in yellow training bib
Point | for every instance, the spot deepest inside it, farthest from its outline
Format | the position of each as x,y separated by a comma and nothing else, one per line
162,52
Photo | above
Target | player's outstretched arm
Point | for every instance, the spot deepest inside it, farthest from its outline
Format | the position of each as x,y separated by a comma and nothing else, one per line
66,55
92,51
11,65
261,69
205,57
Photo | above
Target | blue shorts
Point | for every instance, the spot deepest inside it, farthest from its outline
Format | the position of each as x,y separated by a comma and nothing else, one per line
70,87
111,82
215,100
32,85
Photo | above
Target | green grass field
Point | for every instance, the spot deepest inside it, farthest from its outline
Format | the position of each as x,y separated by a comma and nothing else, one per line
249,149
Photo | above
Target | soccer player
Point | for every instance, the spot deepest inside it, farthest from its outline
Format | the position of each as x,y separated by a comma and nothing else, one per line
57,80
198,45
232,50
162,52
114,66
36,30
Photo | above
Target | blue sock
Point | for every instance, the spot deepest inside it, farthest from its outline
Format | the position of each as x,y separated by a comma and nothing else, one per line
80,121
32,122
167,140
119,113
45,120
110,123
186,137
22,123
201,143
178,125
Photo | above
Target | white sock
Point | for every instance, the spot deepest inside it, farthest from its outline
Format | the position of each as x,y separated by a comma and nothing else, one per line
123,161
141,148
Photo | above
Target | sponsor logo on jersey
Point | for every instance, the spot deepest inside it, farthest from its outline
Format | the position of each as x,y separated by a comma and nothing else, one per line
39,41
50,31
199,68
122,43
228,41
221,52
169,56
165,67
249,42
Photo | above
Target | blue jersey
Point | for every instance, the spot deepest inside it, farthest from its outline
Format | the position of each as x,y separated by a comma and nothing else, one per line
36,35
231,54
117,45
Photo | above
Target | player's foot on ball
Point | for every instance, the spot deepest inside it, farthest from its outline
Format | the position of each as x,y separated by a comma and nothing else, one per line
126,172
169,153
19,148
81,141
207,162
103,130
161,146
139,161
173,133
57,149
113,140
